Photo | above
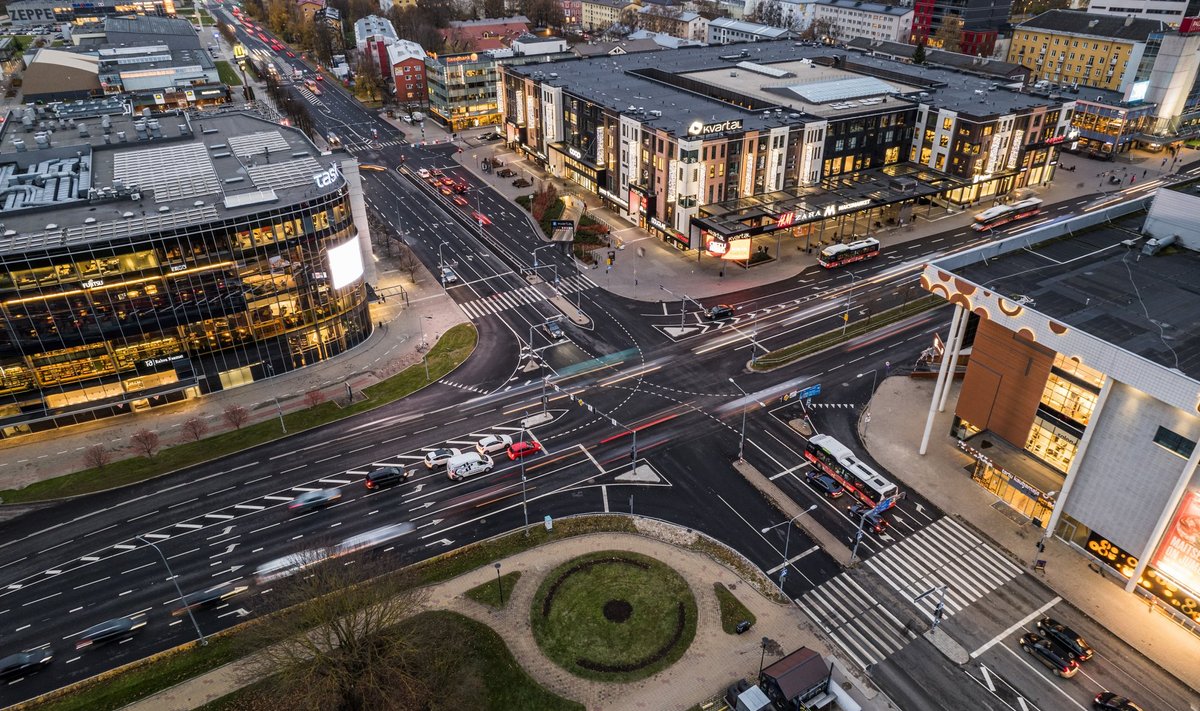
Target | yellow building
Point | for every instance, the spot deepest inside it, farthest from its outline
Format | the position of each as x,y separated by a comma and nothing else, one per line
1087,50
602,14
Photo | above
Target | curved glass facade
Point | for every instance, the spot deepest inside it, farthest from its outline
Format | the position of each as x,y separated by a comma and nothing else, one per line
120,325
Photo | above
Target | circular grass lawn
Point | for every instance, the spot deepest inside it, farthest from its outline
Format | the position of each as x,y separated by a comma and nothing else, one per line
614,616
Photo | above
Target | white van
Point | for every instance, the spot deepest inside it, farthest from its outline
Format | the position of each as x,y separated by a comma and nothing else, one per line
468,464
289,565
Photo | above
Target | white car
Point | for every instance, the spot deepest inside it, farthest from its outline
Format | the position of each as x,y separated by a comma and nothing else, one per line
493,443
438,457
424,172
448,275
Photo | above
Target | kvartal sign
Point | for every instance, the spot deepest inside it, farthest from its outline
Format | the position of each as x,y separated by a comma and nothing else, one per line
699,128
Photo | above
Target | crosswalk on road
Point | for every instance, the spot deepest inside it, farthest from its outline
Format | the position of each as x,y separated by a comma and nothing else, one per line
525,295
865,630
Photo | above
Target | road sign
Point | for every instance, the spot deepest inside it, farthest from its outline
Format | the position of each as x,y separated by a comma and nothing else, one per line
810,392
562,225
791,396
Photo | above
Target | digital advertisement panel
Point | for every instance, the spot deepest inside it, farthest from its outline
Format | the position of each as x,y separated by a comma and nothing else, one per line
345,264
1179,554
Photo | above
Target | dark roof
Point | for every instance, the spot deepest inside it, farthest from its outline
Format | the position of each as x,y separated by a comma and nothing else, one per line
596,49
798,672
941,58
1086,23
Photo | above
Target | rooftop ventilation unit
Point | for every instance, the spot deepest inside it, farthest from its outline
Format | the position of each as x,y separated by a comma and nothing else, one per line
89,220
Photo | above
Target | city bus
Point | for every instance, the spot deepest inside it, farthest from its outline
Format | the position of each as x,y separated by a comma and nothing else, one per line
1003,214
836,460
839,254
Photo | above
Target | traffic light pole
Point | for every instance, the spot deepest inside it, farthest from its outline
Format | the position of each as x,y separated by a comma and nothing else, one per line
939,610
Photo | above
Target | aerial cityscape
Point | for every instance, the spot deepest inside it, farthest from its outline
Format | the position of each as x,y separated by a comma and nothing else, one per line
540,355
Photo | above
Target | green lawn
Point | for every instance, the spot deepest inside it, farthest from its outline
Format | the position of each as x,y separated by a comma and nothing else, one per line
227,73
732,609
490,592
614,616
450,351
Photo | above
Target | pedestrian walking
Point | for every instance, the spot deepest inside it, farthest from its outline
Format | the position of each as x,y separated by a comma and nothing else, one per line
1132,178
1144,172
1164,163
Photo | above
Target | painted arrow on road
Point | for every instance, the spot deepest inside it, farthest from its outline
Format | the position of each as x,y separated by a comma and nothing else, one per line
232,569
434,522
442,541
417,489
425,505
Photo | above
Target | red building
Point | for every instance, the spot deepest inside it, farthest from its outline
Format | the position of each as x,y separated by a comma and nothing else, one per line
981,20
407,62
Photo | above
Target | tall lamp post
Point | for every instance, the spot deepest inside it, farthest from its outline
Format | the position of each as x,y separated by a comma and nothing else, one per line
203,641
538,249
786,541
742,440
524,501
499,586
849,299
441,265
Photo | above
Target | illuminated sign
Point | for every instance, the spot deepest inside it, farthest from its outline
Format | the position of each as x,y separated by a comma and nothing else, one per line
1015,152
717,247
1137,91
739,250
672,180
178,267
345,263
239,51
326,178
1190,25
660,225
575,153
1179,554
612,196
787,219
699,128
600,145
152,362
520,107
93,284
1152,581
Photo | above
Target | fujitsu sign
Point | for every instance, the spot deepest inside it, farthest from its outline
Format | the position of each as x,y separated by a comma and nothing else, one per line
699,128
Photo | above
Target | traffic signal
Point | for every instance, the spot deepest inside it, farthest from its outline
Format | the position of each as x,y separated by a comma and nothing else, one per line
610,261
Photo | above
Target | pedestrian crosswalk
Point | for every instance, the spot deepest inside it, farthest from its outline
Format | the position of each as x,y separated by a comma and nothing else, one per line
505,300
943,553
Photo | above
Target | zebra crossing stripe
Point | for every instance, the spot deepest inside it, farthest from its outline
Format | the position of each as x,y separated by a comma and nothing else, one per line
504,300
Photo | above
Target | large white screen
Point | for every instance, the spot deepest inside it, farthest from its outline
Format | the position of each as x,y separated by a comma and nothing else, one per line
345,264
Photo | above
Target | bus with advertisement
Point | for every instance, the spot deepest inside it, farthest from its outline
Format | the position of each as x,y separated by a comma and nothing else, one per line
837,255
860,481
1003,214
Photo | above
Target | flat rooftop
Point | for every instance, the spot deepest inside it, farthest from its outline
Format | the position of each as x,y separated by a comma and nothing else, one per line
656,82
1149,306
143,174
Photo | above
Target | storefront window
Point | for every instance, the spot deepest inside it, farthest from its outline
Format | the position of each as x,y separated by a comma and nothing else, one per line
1052,444
1072,366
1069,399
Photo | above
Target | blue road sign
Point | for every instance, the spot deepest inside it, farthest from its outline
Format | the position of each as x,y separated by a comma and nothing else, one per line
810,392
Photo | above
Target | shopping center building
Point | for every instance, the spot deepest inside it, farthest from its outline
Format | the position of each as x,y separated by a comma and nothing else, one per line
1080,401
713,146
151,258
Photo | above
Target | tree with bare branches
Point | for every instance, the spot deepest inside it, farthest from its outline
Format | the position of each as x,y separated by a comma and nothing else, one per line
312,398
235,416
145,442
195,428
408,262
97,456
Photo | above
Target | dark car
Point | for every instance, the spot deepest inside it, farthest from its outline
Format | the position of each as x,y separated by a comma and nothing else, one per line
387,476
1049,655
825,484
506,172
521,183
109,631
553,331
1108,701
210,597
873,522
720,311
493,136
1066,638
24,663
317,499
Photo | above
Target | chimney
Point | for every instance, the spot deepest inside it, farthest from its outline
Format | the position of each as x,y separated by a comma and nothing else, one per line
1128,20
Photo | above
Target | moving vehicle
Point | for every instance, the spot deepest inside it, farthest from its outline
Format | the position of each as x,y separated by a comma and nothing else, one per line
25,663
553,331
836,255
460,187
109,631
1108,701
312,86
448,275
423,173
1065,638
437,172
836,460
825,484
460,201
1050,657
871,521
468,464
387,476
493,443
289,565
210,597
372,539
317,499
525,448
438,457
718,312
1003,214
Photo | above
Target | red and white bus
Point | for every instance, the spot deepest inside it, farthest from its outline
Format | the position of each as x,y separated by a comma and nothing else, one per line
860,481
1003,214
839,254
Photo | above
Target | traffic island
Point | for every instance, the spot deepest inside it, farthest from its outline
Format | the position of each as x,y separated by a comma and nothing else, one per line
614,616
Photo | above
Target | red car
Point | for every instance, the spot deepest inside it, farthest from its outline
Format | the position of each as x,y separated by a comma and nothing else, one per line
319,77
436,173
482,218
292,54
460,201
517,450
446,191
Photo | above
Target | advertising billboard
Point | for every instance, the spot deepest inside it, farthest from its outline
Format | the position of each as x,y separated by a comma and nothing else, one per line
1178,556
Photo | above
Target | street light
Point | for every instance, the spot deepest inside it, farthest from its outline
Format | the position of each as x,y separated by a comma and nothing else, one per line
786,541
441,265
538,249
874,372
499,586
203,641
742,441
683,299
849,298
524,501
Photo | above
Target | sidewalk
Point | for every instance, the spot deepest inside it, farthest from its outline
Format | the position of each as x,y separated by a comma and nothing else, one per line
892,438
713,661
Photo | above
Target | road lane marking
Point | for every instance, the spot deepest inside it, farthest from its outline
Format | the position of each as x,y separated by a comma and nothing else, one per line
791,560
1024,621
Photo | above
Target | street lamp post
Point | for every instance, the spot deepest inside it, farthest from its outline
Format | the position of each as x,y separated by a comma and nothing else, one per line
849,299
499,586
203,641
787,540
524,501
742,440
858,535
441,265
538,249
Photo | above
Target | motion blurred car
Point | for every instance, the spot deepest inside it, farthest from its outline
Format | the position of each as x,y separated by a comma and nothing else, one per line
718,312
516,450
445,190
493,443
210,597
1049,656
1065,638
318,499
109,631
825,484
460,187
481,218
387,476
25,663
373,539
289,565
460,201
438,457
1108,701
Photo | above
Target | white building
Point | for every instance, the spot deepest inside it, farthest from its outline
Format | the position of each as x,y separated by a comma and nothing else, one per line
848,19
373,27
1170,11
724,30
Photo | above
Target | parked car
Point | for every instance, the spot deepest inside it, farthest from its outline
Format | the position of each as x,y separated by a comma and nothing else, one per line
109,631
1050,656
317,499
521,183
1065,638
448,275
1108,701
468,464
506,172
553,331
438,457
387,476
525,448
825,484
874,522
209,597
718,312
25,663
491,136
493,443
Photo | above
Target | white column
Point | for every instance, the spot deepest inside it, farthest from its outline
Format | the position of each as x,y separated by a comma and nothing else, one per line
358,212
956,322
957,348
1073,470
1185,476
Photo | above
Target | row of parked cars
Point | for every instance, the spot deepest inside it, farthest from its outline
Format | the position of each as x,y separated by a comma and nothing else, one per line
1061,650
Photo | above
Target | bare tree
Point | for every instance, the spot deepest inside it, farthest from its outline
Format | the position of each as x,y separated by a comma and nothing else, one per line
949,35
235,416
195,428
543,13
408,262
334,638
312,398
97,456
820,29
145,442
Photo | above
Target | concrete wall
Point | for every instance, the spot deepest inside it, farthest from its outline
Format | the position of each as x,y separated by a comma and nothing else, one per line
1174,213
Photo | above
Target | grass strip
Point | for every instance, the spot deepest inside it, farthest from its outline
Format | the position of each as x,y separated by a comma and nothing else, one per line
796,351
451,350
227,73
490,593
732,610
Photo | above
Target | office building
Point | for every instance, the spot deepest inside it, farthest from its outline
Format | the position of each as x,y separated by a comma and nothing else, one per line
725,30
1171,12
28,13
601,15
981,22
851,19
